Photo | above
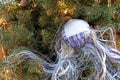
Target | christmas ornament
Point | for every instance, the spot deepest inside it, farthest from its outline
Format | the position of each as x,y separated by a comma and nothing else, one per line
79,50
74,36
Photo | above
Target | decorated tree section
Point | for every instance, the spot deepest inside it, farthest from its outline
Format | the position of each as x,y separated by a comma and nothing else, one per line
43,18
35,24
82,53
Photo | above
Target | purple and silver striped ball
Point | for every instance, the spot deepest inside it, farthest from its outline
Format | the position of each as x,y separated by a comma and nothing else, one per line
74,33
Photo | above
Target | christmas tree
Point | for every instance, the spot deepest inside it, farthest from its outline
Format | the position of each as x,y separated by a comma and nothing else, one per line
33,25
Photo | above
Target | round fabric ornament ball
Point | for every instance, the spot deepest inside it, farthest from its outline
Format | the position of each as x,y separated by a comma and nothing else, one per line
73,32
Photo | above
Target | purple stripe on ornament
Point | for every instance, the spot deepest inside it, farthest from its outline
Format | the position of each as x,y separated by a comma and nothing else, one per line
73,41
81,38
66,40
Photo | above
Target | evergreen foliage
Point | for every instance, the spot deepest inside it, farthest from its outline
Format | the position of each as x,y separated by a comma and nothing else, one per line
33,24
44,17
